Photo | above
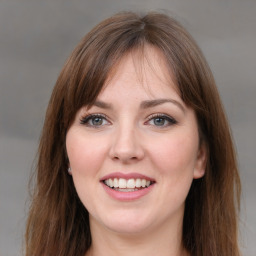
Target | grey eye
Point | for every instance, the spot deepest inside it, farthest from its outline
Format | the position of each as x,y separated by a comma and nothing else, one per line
159,121
97,121
94,120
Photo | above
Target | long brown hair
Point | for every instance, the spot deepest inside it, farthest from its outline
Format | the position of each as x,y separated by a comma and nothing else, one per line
58,223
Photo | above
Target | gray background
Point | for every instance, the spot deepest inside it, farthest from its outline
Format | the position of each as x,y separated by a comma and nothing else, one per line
37,36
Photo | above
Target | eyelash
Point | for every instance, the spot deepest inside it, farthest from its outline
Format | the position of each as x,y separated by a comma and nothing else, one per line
166,118
170,120
86,119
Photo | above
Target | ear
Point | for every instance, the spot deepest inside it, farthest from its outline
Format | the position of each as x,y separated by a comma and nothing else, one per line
201,160
69,171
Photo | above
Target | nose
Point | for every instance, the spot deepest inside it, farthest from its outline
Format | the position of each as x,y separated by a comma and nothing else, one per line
126,146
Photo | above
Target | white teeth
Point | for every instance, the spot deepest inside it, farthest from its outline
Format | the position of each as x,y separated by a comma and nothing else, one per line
110,183
126,189
143,183
130,183
116,183
127,184
122,183
138,183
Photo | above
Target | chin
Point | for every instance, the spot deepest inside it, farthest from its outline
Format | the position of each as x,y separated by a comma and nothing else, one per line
126,223
128,228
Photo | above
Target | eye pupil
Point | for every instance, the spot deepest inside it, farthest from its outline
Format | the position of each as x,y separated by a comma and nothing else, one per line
97,121
159,121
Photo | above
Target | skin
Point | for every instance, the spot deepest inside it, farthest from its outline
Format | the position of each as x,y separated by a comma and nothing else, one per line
130,139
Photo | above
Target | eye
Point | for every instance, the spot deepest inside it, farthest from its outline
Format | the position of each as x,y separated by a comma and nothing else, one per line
161,120
94,120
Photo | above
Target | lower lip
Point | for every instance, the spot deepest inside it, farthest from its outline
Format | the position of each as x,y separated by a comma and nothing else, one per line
127,196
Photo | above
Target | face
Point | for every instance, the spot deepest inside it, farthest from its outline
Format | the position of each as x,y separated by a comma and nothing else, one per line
135,152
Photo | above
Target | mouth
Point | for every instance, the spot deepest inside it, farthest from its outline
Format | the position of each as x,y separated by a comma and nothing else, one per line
128,185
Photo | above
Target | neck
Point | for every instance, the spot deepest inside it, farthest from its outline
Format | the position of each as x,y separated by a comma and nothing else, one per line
161,242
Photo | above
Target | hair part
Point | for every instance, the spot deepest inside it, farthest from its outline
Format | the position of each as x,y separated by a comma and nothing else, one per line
58,223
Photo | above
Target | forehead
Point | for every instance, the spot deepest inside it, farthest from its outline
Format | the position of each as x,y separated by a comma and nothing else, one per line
144,69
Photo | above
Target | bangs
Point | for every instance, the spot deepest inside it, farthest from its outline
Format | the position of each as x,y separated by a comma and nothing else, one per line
88,69
95,59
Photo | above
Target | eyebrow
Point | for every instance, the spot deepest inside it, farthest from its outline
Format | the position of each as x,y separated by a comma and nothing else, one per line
102,104
144,104
153,103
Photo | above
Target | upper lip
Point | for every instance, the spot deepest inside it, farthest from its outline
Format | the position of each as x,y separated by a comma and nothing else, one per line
126,176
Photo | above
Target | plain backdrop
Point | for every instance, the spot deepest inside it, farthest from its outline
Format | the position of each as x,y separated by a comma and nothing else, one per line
36,37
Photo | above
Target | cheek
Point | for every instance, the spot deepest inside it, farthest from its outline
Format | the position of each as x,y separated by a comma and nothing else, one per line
84,153
86,157
176,155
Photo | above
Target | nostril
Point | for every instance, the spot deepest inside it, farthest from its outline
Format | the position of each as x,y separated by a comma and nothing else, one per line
126,148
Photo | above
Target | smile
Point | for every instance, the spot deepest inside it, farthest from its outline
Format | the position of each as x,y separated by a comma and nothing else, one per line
127,185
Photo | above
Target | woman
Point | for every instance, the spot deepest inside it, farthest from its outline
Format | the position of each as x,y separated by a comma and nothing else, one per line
136,156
